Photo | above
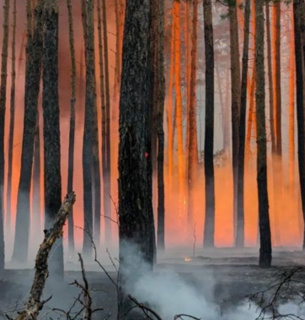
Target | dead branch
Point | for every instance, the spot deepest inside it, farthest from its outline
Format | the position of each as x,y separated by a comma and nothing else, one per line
146,310
34,303
95,257
180,316
269,299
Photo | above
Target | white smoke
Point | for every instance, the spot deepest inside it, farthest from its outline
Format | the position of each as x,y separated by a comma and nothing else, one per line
167,293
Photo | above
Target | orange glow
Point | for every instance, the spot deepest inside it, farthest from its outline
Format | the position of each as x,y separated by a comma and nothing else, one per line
289,223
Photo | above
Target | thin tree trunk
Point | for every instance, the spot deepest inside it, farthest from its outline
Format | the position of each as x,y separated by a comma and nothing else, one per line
270,79
276,58
181,168
240,232
251,114
12,125
71,245
3,84
159,96
209,225
299,27
136,223
264,224
32,81
106,156
192,126
235,103
88,138
291,105
170,130
51,130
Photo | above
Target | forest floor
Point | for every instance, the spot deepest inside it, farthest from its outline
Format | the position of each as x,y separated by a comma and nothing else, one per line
221,277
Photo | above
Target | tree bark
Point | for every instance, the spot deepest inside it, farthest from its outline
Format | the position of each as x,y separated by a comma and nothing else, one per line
71,245
270,79
90,102
106,155
240,236
299,33
181,168
136,223
263,204
209,225
291,104
235,103
32,81
12,125
36,220
276,33
51,130
192,126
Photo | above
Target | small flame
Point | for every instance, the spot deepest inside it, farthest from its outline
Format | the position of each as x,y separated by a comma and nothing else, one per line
187,259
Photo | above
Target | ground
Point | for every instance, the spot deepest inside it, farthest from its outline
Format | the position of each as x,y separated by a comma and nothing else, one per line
220,278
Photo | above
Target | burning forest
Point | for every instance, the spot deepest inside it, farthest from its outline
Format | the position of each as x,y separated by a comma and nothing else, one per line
152,159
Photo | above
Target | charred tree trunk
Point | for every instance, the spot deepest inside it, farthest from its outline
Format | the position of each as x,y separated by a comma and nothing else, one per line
51,130
299,27
235,103
4,56
157,42
32,81
270,79
106,156
277,75
192,126
179,111
72,127
3,86
90,103
12,125
209,226
136,223
36,220
263,204
240,233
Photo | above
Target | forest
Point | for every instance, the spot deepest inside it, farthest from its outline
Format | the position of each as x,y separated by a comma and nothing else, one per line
152,159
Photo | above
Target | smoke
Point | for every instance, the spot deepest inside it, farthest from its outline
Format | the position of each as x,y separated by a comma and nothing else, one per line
169,293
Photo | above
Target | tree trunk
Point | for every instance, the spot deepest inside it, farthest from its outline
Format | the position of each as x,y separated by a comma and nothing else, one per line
32,81
270,79
4,56
276,58
192,126
170,130
36,220
12,126
136,223
299,27
181,168
51,130
209,226
240,236
90,102
291,105
264,224
159,93
106,156
235,103
71,245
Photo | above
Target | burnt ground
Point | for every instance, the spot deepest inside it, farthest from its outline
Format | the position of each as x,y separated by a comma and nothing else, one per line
223,276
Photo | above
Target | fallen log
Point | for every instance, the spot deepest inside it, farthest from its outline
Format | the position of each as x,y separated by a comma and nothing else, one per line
34,303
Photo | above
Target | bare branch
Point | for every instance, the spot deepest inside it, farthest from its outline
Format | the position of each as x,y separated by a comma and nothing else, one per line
34,303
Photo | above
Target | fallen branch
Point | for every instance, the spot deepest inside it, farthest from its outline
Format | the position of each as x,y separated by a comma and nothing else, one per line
146,310
34,304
